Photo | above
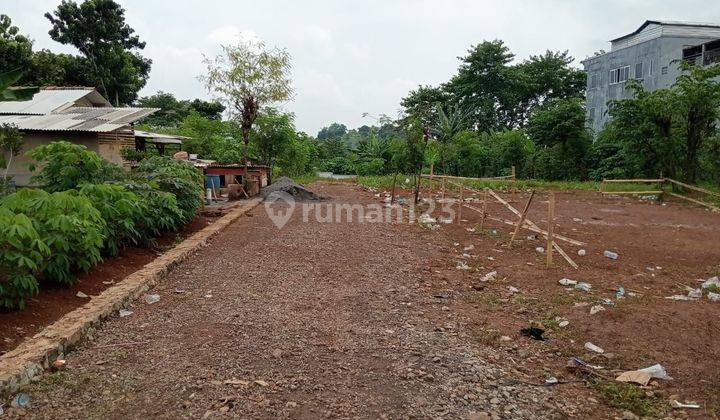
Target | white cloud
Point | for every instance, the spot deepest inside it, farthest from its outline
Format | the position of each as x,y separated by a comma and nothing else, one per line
227,35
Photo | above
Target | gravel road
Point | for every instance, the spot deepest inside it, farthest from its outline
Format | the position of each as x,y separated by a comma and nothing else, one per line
328,320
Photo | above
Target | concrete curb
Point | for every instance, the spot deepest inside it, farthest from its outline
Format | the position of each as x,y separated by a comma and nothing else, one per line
19,366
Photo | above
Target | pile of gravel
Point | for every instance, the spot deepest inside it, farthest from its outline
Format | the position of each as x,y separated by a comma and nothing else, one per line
291,187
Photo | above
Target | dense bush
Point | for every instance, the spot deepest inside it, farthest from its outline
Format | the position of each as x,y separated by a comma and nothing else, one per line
67,223
159,210
122,211
22,253
180,178
64,166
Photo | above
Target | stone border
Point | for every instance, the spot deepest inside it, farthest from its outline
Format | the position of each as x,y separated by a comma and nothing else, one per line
19,366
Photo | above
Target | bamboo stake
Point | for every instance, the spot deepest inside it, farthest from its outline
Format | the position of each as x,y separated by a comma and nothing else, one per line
484,210
530,222
710,206
522,217
512,169
551,227
460,205
443,188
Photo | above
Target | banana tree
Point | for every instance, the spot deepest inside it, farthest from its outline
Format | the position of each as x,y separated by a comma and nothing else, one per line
8,93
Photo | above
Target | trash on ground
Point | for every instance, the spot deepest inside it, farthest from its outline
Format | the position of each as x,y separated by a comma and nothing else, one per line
489,276
714,297
608,302
581,362
597,308
150,299
634,376
513,289
82,295
678,404
58,364
21,400
585,287
551,380
592,347
712,281
611,255
694,293
124,312
462,265
445,220
426,219
656,371
533,332
582,252
540,249
564,323
567,282
677,297
469,248
620,293
442,295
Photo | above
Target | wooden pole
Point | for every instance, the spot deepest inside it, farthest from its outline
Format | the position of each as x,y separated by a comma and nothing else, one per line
522,217
512,170
484,210
442,188
392,195
460,206
432,169
551,227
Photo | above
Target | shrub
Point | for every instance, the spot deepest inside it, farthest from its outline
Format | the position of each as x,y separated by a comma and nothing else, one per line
67,223
159,211
121,210
65,166
178,177
22,252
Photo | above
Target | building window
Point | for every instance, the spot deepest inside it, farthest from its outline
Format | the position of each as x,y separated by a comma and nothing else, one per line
664,70
639,70
619,75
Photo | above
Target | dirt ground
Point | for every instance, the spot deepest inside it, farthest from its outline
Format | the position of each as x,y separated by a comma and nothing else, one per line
55,301
374,320
662,247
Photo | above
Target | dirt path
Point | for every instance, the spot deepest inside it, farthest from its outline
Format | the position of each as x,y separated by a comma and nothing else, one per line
314,320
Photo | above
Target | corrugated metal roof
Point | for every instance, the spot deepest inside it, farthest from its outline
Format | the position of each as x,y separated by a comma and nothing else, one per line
99,120
48,101
668,23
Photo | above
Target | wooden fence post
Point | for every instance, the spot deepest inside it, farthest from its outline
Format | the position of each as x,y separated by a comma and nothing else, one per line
442,187
551,227
512,171
522,217
484,209
460,206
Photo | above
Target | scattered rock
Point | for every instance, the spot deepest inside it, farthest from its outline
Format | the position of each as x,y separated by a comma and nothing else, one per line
82,295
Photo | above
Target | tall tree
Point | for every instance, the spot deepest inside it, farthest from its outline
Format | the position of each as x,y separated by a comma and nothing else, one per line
246,77
333,131
15,48
274,134
98,30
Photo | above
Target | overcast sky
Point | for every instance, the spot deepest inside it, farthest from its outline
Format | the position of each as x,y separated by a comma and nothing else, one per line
362,56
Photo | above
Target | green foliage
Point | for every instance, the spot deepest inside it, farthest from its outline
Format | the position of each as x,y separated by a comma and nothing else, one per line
273,135
8,93
67,223
173,112
11,142
121,209
159,211
65,166
22,252
180,178
110,59
15,48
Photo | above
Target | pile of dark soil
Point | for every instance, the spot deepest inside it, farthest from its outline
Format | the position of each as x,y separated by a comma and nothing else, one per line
287,185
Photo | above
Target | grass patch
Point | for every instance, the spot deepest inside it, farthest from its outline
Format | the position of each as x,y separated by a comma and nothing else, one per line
487,337
306,179
486,299
629,397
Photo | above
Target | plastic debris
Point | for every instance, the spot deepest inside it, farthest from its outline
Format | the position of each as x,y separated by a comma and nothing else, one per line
513,289
634,376
712,281
585,287
694,293
21,400
150,299
582,252
540,249
714,297
551,380
592,347
445,220
677,297
656,371
124,312
563,323
611,255
597,308
489,276
620,293
678,404
82,295
469,248
462,265
581,362
426,219
567,282
533,332
442,295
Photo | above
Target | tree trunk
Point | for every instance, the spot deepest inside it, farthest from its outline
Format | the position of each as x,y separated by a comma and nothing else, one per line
7,166
694,138
392,195
246,143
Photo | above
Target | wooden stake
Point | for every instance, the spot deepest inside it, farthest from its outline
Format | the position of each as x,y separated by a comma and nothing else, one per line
512,169
392,195
551,227
460,206
484,210
442,188
522,217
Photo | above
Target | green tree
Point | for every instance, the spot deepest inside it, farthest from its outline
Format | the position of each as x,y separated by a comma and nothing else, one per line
246,77
15,48
173,111
332,132
11,142
9,93
110,49
275,132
